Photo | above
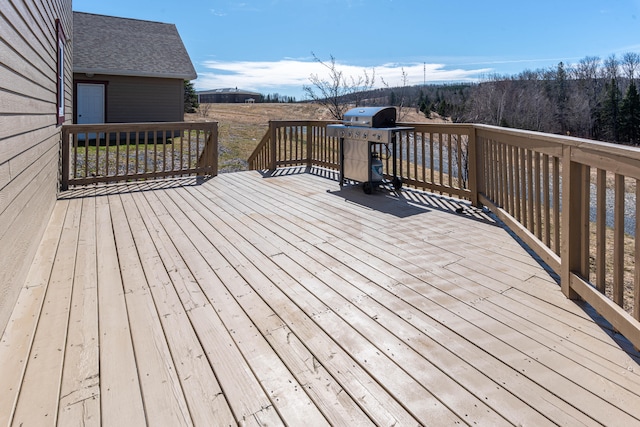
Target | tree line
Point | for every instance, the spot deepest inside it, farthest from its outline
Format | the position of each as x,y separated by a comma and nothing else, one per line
594,98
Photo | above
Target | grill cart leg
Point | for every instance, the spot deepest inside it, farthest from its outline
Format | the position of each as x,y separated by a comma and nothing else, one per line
396,181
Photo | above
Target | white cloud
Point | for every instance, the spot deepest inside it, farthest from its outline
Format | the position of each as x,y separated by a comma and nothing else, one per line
288,76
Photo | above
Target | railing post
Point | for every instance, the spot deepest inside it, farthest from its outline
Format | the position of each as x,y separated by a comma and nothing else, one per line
272,147
475,164
574,178
309,146
66,153
214,149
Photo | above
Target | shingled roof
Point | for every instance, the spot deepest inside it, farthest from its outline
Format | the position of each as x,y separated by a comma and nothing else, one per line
128,47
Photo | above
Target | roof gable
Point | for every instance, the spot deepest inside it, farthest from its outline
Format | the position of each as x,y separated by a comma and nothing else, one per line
129,47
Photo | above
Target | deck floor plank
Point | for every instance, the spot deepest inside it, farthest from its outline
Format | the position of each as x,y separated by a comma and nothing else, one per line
247,399
17,339
202,391
121,398
278,300
302,321
80,388
300,265
370,273
249,276
41,382
285,393
164,399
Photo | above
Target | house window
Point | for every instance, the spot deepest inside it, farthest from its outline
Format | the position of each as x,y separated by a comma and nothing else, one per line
60,73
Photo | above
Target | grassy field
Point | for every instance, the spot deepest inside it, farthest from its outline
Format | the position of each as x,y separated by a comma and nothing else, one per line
242,126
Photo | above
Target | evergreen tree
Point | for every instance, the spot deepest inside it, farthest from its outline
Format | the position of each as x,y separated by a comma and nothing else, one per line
611,112
630,116
392,98
562,98
190,98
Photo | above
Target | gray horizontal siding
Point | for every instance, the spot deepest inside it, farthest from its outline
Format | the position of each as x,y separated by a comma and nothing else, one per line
141,99
29,136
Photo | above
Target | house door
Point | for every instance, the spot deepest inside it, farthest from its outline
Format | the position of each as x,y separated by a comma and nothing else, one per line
90,106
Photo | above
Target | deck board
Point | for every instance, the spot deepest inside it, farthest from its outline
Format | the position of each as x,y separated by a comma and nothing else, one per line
80,388
17,340
287,300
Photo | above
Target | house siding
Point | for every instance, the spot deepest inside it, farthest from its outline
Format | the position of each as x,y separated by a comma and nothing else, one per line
140,99
29,134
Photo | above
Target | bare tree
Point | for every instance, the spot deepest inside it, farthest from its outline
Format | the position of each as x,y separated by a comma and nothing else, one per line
204,109
630,63
402,100
586,74
337,91
611,68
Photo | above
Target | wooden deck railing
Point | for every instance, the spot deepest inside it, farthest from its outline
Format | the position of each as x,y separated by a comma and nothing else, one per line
136,151
525,178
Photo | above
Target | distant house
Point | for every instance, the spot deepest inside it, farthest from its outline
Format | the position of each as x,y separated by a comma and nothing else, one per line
128,70
228,95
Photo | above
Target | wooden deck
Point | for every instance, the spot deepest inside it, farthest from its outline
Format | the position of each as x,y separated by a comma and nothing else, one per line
285,300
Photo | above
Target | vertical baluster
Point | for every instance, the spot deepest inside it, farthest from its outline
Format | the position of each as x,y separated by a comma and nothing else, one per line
517,194
117,156
424,159
586,220
405,136
504,193
86,152
449,162
538,195
300,144
188,133
74,147
497,173
164,150
130,159
173,148
432,163
530,192
545,200
414,158
556,205
618,242
511,166
460,163
441,160
601,229
155,152
136,162
491,170
636,278
107,156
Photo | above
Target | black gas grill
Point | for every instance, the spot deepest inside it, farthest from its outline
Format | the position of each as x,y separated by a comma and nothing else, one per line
366,136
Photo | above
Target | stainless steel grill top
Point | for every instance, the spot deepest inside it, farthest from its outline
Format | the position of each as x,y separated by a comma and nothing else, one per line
371,117
374,124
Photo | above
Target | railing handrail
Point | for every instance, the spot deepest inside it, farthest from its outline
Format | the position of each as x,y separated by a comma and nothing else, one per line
524,177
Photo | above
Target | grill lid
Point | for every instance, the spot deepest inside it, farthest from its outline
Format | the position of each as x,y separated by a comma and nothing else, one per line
372,117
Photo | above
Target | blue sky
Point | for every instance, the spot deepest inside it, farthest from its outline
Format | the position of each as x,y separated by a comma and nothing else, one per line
267,45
